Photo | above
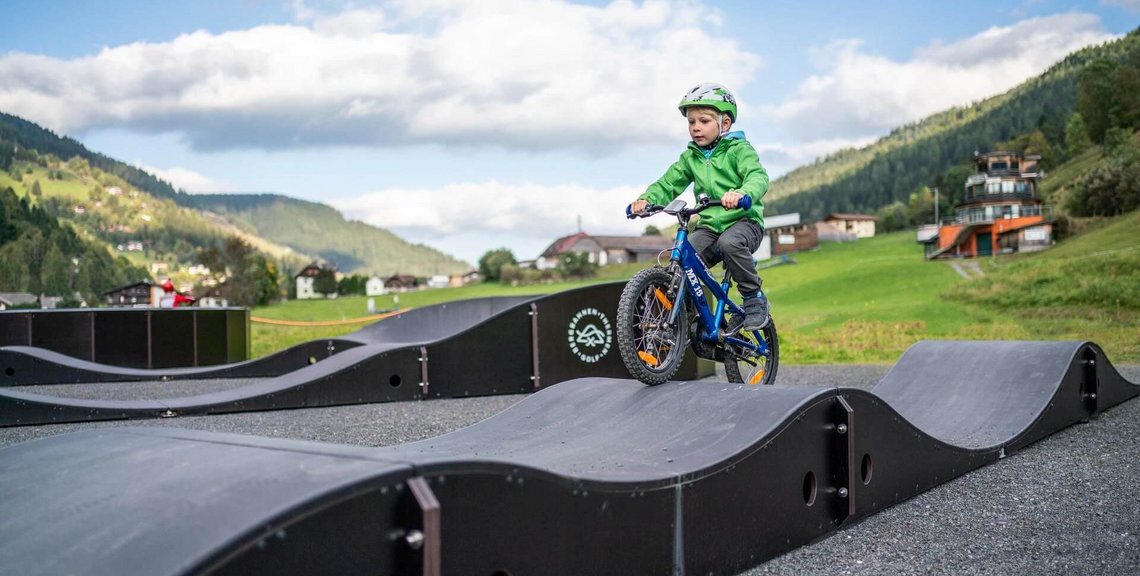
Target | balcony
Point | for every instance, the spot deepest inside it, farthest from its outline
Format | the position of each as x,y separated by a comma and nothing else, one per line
1014,172
975,179
987,197
979,215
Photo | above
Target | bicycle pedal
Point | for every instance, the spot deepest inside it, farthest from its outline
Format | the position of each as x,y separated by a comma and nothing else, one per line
734,325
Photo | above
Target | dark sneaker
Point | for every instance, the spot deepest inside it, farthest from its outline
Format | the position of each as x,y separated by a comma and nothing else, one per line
756,313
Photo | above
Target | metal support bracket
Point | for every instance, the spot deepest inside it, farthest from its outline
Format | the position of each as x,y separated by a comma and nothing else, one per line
845,449
428,539
423,371
1090,384
536,378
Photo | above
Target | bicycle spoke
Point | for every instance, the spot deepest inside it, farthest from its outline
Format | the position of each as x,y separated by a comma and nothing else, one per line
651,315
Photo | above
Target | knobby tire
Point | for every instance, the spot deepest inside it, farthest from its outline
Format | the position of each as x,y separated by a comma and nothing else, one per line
642,340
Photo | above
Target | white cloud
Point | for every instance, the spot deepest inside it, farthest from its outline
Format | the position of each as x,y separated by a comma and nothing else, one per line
544,74
188,180
523,217
1130,5
861,94
779,158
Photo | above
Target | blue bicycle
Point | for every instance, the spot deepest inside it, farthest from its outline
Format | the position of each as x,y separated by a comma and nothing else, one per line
664,310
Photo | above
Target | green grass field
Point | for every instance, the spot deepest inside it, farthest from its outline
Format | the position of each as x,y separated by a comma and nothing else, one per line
69,187
868,301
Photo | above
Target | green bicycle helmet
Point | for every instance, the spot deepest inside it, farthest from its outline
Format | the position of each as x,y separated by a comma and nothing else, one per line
712,95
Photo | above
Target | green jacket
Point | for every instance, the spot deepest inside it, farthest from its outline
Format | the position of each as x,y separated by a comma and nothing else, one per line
732,165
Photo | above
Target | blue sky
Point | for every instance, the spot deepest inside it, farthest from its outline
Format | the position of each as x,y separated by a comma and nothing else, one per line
474,124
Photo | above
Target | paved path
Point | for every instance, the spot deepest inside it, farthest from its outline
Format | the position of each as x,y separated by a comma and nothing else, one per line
967,268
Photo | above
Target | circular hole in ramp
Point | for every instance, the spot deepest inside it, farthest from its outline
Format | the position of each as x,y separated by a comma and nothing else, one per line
809,488
868,469
394,380
312,360
9,371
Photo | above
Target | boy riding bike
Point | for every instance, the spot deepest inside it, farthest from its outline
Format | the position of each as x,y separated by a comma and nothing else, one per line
724,166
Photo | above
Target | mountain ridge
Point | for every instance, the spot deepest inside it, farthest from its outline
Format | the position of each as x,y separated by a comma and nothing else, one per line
75,181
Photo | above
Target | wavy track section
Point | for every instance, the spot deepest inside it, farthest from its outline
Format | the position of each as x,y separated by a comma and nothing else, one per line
27,366
469,348
592,476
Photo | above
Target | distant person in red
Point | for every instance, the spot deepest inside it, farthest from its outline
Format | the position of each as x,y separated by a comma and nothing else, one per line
171,298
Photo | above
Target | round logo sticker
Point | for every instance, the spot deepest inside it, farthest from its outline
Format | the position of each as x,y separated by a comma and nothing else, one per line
590,335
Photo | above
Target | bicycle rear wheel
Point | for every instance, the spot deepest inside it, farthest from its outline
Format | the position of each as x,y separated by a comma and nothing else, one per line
745,366
651,347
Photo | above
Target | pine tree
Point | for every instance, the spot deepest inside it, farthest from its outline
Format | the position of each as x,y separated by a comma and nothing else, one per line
1076,136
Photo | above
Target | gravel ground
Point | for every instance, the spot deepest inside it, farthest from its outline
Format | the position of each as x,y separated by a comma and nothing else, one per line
1066,505
137,390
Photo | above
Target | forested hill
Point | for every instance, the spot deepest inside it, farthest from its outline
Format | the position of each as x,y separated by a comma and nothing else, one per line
928,152
71,177
322,231
16,130
40,256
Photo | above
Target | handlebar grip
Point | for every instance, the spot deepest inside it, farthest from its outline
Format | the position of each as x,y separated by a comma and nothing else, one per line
745,202
629,212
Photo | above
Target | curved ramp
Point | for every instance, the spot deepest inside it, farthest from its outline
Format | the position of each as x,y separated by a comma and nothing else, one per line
593,476
512,345
27,366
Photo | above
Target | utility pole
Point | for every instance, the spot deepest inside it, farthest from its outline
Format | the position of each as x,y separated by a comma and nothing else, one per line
936,222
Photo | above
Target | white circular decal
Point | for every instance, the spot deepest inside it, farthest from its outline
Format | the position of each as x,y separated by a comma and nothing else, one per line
590,335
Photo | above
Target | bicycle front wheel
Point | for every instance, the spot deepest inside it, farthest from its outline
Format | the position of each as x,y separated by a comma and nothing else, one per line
651,347
746,366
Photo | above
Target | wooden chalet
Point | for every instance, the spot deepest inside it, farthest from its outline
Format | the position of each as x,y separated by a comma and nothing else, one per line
12,299
137,295
1001,211
861,225
401,283
603,250
306,280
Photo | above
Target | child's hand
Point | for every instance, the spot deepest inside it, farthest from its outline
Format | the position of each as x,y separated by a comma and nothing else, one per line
730,199
638,206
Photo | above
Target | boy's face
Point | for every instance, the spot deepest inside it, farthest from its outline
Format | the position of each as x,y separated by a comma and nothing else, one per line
703,126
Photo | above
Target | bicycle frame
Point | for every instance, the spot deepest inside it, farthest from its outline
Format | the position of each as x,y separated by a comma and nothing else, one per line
694,275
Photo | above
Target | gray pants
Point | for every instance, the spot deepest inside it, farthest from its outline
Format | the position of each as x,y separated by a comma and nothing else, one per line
735,247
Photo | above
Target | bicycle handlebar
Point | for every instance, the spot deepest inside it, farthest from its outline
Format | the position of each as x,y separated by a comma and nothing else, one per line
744,203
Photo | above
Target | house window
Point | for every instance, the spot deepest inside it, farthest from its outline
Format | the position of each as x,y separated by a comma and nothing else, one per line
1015,166
999,166
1007,187
993,187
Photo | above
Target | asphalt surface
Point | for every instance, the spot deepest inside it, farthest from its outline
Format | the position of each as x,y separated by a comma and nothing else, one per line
1069,504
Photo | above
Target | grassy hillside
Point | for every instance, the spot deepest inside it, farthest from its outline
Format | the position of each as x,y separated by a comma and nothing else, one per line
868,301
916,155
1086,288
170,222
77,192
317,229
